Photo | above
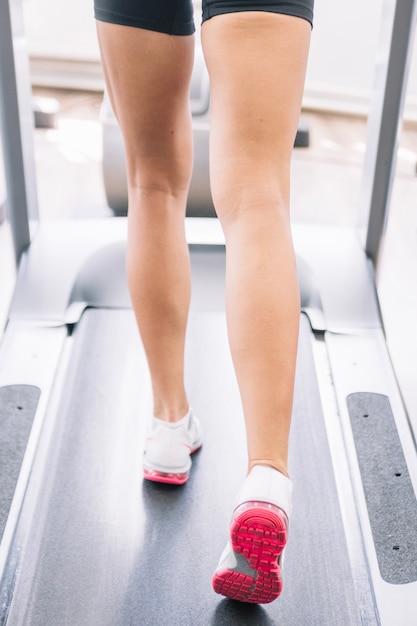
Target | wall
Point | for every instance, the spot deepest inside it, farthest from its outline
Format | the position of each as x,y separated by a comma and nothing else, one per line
343,55
64,51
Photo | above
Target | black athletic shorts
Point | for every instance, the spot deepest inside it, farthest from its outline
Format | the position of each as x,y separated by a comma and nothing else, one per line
175,17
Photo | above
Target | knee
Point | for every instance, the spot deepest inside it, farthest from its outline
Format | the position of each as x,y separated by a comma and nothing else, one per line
159,181
257,203
159,162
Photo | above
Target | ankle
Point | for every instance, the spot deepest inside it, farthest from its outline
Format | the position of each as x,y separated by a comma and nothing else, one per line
277,465
172,415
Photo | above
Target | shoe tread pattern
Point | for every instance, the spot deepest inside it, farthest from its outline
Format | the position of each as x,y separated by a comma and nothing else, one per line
259,534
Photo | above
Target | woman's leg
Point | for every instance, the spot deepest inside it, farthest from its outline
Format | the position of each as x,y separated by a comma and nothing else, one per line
257,64
147,75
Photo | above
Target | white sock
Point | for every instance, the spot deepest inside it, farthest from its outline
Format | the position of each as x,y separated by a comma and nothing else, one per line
182,422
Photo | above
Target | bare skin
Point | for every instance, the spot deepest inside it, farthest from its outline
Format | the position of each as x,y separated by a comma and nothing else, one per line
257,65
151,102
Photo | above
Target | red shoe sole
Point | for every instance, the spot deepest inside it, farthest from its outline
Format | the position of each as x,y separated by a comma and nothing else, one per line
258,533
164,477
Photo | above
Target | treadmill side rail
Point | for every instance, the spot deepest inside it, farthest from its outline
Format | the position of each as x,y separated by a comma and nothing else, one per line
361,364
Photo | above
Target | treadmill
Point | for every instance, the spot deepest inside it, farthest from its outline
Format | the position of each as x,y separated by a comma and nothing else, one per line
85,541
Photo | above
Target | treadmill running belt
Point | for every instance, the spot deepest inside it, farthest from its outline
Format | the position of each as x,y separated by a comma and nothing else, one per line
18,404
105,547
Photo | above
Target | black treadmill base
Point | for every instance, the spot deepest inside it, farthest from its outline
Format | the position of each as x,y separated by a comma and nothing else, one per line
105,547
18,405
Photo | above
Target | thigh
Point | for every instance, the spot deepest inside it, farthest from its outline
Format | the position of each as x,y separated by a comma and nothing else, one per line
147,76
257,63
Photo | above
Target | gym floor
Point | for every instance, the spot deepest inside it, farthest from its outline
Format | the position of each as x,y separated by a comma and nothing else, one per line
325,189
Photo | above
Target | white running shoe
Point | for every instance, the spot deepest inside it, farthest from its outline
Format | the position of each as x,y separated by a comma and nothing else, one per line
250,568
168,449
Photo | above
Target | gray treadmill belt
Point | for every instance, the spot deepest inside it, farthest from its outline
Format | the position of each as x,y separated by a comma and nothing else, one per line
107,548
18,405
